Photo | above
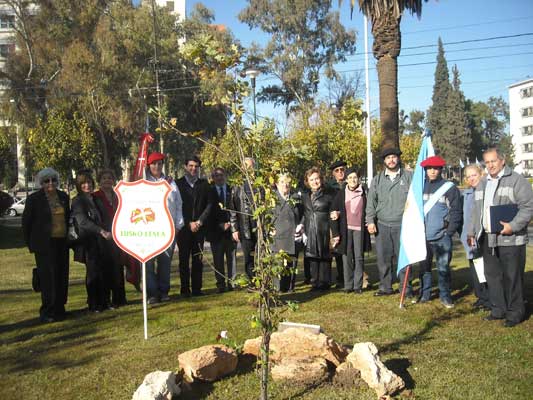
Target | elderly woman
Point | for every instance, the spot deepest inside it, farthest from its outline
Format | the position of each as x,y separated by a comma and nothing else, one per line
106,201
93,236
473,174
316,205
287,215
350,237
44,223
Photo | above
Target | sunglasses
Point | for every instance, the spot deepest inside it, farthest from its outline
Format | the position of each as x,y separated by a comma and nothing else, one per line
50,180
339,169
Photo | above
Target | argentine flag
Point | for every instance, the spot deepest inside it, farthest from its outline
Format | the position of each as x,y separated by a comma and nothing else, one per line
413,233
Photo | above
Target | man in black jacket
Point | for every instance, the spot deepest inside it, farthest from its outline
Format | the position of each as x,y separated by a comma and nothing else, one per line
219,231
196,207
243,226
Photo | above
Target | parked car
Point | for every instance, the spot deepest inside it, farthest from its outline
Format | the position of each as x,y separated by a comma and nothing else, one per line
6,201
17,208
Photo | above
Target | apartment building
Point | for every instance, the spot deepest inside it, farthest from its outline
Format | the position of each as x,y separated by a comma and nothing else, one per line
521,124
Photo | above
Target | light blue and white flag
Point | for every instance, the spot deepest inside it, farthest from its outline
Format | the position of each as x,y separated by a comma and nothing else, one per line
413,233
461,164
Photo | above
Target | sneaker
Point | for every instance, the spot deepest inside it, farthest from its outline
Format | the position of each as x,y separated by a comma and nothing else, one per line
165,298
153,300
447,303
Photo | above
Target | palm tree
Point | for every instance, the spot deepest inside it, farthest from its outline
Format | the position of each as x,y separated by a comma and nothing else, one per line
385,16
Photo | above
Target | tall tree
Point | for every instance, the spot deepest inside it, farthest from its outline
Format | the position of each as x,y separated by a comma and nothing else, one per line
385,16
456,130
307,40
437,118
488,122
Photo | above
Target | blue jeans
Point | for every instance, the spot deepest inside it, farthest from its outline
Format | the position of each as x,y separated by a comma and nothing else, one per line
442,249
158,279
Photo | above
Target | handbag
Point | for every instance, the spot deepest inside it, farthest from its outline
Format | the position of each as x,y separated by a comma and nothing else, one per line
35,282
73,232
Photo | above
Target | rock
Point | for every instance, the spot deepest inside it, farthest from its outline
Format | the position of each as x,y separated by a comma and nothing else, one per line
365,358
158,385
283,326
295,343
303,372
346,375
208,363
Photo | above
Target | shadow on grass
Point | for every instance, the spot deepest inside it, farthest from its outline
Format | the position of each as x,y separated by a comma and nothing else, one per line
11,237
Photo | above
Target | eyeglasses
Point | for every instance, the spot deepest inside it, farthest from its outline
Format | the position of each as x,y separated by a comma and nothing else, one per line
50,180
339,169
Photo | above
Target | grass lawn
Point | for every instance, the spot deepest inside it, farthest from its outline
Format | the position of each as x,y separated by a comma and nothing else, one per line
440,353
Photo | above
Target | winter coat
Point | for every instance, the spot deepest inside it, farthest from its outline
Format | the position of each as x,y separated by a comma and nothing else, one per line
316,221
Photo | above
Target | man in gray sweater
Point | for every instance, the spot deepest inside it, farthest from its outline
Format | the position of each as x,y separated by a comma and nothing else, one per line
504,249
384,211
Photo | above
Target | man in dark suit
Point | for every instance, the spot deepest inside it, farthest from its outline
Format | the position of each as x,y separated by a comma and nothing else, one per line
196,207
219,231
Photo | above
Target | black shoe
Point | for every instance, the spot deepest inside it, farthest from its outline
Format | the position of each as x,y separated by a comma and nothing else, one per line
46,319
221,290
347,291
196,294
383,293
307,281
510,324
491,317
339,286
229,288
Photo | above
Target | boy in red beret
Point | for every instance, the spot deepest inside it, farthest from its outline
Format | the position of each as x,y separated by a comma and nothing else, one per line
442,217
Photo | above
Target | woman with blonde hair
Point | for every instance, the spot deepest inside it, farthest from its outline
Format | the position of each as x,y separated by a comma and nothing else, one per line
472,176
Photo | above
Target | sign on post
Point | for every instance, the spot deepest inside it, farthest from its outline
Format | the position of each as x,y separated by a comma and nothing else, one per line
143,226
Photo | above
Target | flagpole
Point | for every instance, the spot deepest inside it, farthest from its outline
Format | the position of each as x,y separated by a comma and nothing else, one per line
369,166
145,311
405,280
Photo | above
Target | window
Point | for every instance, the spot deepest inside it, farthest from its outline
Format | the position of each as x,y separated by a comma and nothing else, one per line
528,164
527,130
527,112
527,147
170,6
526,92
6,49
7,21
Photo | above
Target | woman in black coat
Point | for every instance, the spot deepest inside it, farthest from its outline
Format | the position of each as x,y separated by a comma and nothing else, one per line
316,208
93,235
44,224
287,215
350,236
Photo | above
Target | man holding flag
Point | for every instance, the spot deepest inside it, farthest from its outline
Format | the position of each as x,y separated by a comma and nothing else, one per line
442,217
386,200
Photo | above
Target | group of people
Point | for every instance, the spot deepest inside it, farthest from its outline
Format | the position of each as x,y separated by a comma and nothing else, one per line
325,221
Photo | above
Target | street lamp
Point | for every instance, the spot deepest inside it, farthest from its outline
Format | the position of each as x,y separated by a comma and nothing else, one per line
253,73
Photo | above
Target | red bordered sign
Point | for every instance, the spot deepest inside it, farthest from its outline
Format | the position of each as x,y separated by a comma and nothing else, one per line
143,226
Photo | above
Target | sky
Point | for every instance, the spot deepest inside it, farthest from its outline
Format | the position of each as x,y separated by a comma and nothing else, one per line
487,65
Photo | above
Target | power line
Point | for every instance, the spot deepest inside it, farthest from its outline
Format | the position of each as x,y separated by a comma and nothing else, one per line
455,43
466,26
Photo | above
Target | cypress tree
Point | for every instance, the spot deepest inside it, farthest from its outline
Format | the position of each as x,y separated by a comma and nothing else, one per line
456,130
437,118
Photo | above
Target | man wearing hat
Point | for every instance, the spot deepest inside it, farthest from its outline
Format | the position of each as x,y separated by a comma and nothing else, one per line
442,218
384,212
158,279
338,171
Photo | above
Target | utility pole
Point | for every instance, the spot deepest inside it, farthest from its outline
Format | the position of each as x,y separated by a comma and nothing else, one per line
158,89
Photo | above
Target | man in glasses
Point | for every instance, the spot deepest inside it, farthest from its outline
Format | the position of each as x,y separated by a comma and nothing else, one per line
158,278
338,172
384,212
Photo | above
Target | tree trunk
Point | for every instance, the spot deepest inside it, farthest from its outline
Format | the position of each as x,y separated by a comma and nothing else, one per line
388,101
386,49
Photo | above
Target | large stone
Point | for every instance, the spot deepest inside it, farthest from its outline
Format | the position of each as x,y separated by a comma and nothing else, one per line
158,385
365,358
295,343
303,372
208,363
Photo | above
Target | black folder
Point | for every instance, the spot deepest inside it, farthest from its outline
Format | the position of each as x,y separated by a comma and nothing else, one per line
505,213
